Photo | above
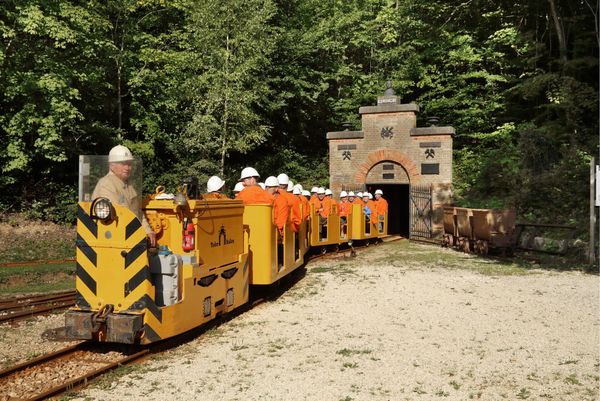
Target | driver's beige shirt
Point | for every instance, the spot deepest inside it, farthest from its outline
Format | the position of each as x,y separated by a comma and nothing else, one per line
110,186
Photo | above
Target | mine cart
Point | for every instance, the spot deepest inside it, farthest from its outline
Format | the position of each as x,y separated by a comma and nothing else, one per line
450,233
463,228
493,229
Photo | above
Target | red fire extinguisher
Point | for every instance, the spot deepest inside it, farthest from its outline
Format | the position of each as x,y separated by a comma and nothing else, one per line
188,235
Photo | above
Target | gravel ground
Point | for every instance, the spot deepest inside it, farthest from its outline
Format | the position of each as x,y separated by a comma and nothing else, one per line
397,323
30,338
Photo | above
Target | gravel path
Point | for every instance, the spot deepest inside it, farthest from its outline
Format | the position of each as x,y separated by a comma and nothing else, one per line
393,324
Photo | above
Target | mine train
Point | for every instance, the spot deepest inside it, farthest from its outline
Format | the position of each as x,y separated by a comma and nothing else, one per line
127,292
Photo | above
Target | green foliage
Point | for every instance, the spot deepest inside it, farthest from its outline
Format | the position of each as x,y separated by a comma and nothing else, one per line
202,88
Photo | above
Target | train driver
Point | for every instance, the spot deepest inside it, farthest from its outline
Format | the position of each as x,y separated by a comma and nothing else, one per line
115,186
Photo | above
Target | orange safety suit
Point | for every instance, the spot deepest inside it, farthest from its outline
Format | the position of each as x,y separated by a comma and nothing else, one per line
345,208
358,201
382,207
255,194
280,211
214,195
322,207
373,207
294,203
305,206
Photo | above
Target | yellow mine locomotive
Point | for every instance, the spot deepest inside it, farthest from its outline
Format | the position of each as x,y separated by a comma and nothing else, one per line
209,254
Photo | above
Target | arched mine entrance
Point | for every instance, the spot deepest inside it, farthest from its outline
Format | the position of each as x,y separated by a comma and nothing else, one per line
394,181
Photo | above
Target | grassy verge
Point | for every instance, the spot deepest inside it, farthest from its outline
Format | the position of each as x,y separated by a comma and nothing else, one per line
34,279
412,254
27,240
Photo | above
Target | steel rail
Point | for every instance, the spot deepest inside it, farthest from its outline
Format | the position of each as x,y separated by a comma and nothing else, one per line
35,365
28,306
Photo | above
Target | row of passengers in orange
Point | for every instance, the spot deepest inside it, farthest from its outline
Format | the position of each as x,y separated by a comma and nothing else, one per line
323,201
278,192
286,197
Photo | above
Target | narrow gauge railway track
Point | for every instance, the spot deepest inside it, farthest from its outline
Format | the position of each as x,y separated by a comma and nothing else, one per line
72,366
54,373
13,309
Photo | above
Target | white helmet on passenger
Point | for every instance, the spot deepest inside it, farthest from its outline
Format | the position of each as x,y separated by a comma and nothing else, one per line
214,184
297,191
314,190
350,193
343,194
370,195
119,154
299,186
305,193
249,172
321,191
328,192
262,185
379,192
290,186
283,179
238,187
360,195
271,182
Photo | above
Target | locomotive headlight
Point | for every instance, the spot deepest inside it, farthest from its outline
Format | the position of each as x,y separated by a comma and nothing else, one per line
102,209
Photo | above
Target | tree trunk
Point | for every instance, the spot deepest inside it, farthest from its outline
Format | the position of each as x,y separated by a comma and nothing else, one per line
560,33
225,109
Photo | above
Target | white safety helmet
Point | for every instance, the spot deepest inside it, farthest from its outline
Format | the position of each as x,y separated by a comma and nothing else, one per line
321,191
262,185
370,195
328,192
271,182
119,154
299,187
305,193
379,192
290,187
214,184
249,172
359,194
343,194
297,191
283,179
350,193
314,190
238,187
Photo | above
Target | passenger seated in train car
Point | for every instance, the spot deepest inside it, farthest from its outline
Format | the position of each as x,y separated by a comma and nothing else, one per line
351,197
115,186
252,192
214,187
323,209
303,201
292,201
329,195
367,211
280,204
313,193
344,209
306,194
237,188
382,208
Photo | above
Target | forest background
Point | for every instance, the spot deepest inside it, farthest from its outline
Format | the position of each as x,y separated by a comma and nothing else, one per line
209,87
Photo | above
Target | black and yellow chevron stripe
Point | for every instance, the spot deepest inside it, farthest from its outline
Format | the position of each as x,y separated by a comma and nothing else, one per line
112,266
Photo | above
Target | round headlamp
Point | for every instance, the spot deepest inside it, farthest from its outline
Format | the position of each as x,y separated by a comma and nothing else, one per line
102,209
